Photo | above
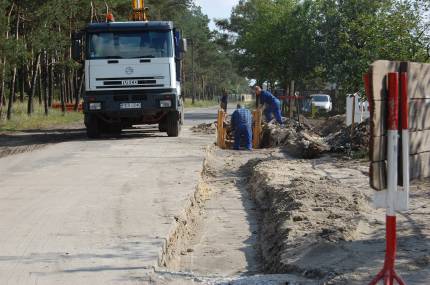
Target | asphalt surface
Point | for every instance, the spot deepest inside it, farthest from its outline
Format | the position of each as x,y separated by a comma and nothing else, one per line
96,211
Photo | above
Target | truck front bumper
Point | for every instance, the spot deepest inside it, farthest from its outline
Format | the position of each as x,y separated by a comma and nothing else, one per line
145,106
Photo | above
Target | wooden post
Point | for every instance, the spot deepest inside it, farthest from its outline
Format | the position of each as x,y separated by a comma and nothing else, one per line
292,92
256,128
220,129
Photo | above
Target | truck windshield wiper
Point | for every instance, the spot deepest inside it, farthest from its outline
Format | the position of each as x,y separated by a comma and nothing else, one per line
145,56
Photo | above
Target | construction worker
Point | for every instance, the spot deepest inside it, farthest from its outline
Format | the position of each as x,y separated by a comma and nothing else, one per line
273,105
241,122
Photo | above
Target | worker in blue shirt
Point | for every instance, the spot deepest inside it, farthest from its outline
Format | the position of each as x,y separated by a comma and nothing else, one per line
241,122
273,105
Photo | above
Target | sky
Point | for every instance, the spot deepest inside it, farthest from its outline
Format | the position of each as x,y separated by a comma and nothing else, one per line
216,8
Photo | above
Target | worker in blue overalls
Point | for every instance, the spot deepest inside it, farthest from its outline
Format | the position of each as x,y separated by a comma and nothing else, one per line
241,122
273,105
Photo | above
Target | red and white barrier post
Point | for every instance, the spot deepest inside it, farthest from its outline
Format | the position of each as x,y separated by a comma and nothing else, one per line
404,111
388,273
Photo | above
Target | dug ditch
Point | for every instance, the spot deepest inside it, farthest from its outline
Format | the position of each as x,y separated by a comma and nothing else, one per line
217,236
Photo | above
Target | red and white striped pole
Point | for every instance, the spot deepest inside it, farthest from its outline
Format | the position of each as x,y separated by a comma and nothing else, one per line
388,273
404,111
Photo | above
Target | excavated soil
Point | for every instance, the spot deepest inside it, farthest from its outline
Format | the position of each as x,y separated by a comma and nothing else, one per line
312,138
318,222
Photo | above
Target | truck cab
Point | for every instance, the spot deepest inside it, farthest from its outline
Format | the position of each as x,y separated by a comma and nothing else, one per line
132,76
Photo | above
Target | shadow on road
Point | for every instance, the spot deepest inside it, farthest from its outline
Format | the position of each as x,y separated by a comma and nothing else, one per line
25,141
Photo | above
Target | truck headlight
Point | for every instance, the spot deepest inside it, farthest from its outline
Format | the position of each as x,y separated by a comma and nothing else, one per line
95,106
165,103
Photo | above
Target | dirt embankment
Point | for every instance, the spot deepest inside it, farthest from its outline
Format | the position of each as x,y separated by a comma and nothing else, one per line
317,221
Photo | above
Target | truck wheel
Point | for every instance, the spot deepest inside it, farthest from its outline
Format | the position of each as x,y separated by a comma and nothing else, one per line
93,126
173,124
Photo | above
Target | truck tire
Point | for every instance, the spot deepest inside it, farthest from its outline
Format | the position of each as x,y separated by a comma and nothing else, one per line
173,126
93,126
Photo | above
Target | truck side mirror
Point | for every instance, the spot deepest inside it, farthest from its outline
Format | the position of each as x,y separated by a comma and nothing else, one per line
184,45
77,46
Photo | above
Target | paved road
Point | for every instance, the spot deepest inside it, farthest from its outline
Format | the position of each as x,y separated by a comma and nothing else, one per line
95,212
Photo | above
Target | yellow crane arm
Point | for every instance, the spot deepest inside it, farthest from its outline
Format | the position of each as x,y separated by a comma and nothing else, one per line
140,12
138,4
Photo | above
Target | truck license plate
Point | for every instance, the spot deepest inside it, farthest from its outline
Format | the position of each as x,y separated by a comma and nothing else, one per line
130,105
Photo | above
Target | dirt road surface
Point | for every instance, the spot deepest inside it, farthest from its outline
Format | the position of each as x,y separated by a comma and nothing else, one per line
95,211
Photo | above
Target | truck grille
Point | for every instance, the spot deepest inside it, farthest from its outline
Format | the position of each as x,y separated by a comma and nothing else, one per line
129,82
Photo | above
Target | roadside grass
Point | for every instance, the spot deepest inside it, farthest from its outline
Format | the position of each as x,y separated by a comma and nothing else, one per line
200,103
21,121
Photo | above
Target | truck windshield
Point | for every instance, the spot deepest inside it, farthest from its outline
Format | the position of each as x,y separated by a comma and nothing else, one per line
146,44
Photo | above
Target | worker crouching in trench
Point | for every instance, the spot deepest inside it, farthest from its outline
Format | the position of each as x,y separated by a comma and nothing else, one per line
241,123
273,105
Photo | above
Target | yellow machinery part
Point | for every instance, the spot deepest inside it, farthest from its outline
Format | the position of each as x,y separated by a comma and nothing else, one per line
221,131
140,12
257,129
138,4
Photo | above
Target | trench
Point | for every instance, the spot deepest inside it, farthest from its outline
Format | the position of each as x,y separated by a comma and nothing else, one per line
217,236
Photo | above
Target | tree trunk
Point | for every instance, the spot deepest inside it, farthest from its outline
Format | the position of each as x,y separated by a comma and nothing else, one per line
67,86
3,74
33,85
11,95
21,84
2,87
79,91
62,93
50,81
13,82
44,76
39,84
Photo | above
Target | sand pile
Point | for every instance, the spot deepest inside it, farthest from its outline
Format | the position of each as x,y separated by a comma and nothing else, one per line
297,139
305,141
332,125
348,139
306,214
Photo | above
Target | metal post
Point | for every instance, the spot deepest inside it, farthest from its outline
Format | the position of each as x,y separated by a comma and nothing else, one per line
388,273
404,112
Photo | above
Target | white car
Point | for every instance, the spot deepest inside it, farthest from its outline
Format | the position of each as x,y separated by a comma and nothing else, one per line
322,102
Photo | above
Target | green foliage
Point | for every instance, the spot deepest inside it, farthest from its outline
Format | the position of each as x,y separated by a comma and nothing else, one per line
29,28
331,41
